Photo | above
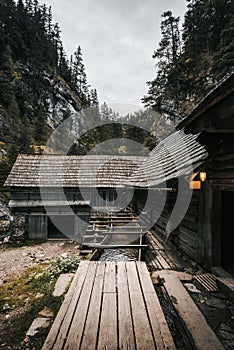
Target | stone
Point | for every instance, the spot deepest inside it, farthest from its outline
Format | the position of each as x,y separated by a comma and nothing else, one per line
46,312
18,229
4,226
189,270
192,288
6,298
38,327
62,283
39,295
226,328
26,340
6,308
226,335
215,302
6,239
157,280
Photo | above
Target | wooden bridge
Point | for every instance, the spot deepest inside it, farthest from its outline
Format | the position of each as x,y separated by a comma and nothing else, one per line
110,306
114,306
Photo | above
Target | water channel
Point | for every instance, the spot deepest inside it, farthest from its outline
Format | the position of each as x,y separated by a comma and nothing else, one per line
119,255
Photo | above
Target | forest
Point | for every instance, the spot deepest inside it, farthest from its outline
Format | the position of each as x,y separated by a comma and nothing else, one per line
192,61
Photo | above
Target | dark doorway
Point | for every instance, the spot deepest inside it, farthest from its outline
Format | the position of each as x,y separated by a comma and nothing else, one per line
61,226
227,231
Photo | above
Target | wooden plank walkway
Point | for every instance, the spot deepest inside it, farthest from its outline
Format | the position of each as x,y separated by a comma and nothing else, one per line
110,306
160,257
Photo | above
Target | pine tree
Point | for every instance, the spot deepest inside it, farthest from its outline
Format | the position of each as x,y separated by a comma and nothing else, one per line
49,22
170,46
56,40
105,112
94,98
77,66
29,6
163,91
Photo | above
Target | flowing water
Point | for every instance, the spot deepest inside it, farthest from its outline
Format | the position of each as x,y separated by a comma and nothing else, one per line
119,255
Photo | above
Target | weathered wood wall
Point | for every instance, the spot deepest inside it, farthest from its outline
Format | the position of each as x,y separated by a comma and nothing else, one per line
37,227
185,236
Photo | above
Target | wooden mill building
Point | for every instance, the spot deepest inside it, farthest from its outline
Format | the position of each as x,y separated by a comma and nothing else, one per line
67,186
203,142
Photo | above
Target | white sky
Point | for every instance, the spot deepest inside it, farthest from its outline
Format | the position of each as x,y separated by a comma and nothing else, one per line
117,38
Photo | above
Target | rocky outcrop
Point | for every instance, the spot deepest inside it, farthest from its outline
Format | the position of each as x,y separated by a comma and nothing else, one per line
5,222
12,229
18,229
63,102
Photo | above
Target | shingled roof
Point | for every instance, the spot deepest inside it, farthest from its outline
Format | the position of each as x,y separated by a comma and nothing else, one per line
72,171
178,154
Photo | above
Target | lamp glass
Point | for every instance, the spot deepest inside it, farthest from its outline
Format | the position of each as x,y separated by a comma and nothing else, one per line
202,175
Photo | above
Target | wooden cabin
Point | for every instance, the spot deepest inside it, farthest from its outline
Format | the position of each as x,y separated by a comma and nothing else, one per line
65,188
205,233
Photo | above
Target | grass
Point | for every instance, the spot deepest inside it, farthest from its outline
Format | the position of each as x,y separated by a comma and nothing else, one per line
31,292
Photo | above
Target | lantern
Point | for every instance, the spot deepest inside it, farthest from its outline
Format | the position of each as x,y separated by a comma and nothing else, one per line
202,176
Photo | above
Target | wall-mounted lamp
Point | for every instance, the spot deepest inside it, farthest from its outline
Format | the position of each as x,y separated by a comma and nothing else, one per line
202,176
196,179
193,183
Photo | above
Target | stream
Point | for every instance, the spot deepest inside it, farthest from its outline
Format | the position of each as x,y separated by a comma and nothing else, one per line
119,255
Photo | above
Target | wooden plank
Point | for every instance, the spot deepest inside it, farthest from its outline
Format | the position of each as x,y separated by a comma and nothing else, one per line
126,334
187,250
143,335
188,236
162,261
115,246
155,242
195,323
62,321
120,232
177,260
77,325
151,258
108,338
167,256
162,334
110,278
92,323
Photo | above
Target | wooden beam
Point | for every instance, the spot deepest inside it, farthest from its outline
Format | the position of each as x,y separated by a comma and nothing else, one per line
74,336
126,334
162,334
143,336
108,337
116,246
200,333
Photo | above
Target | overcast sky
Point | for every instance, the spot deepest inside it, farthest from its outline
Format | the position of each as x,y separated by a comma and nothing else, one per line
117,38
